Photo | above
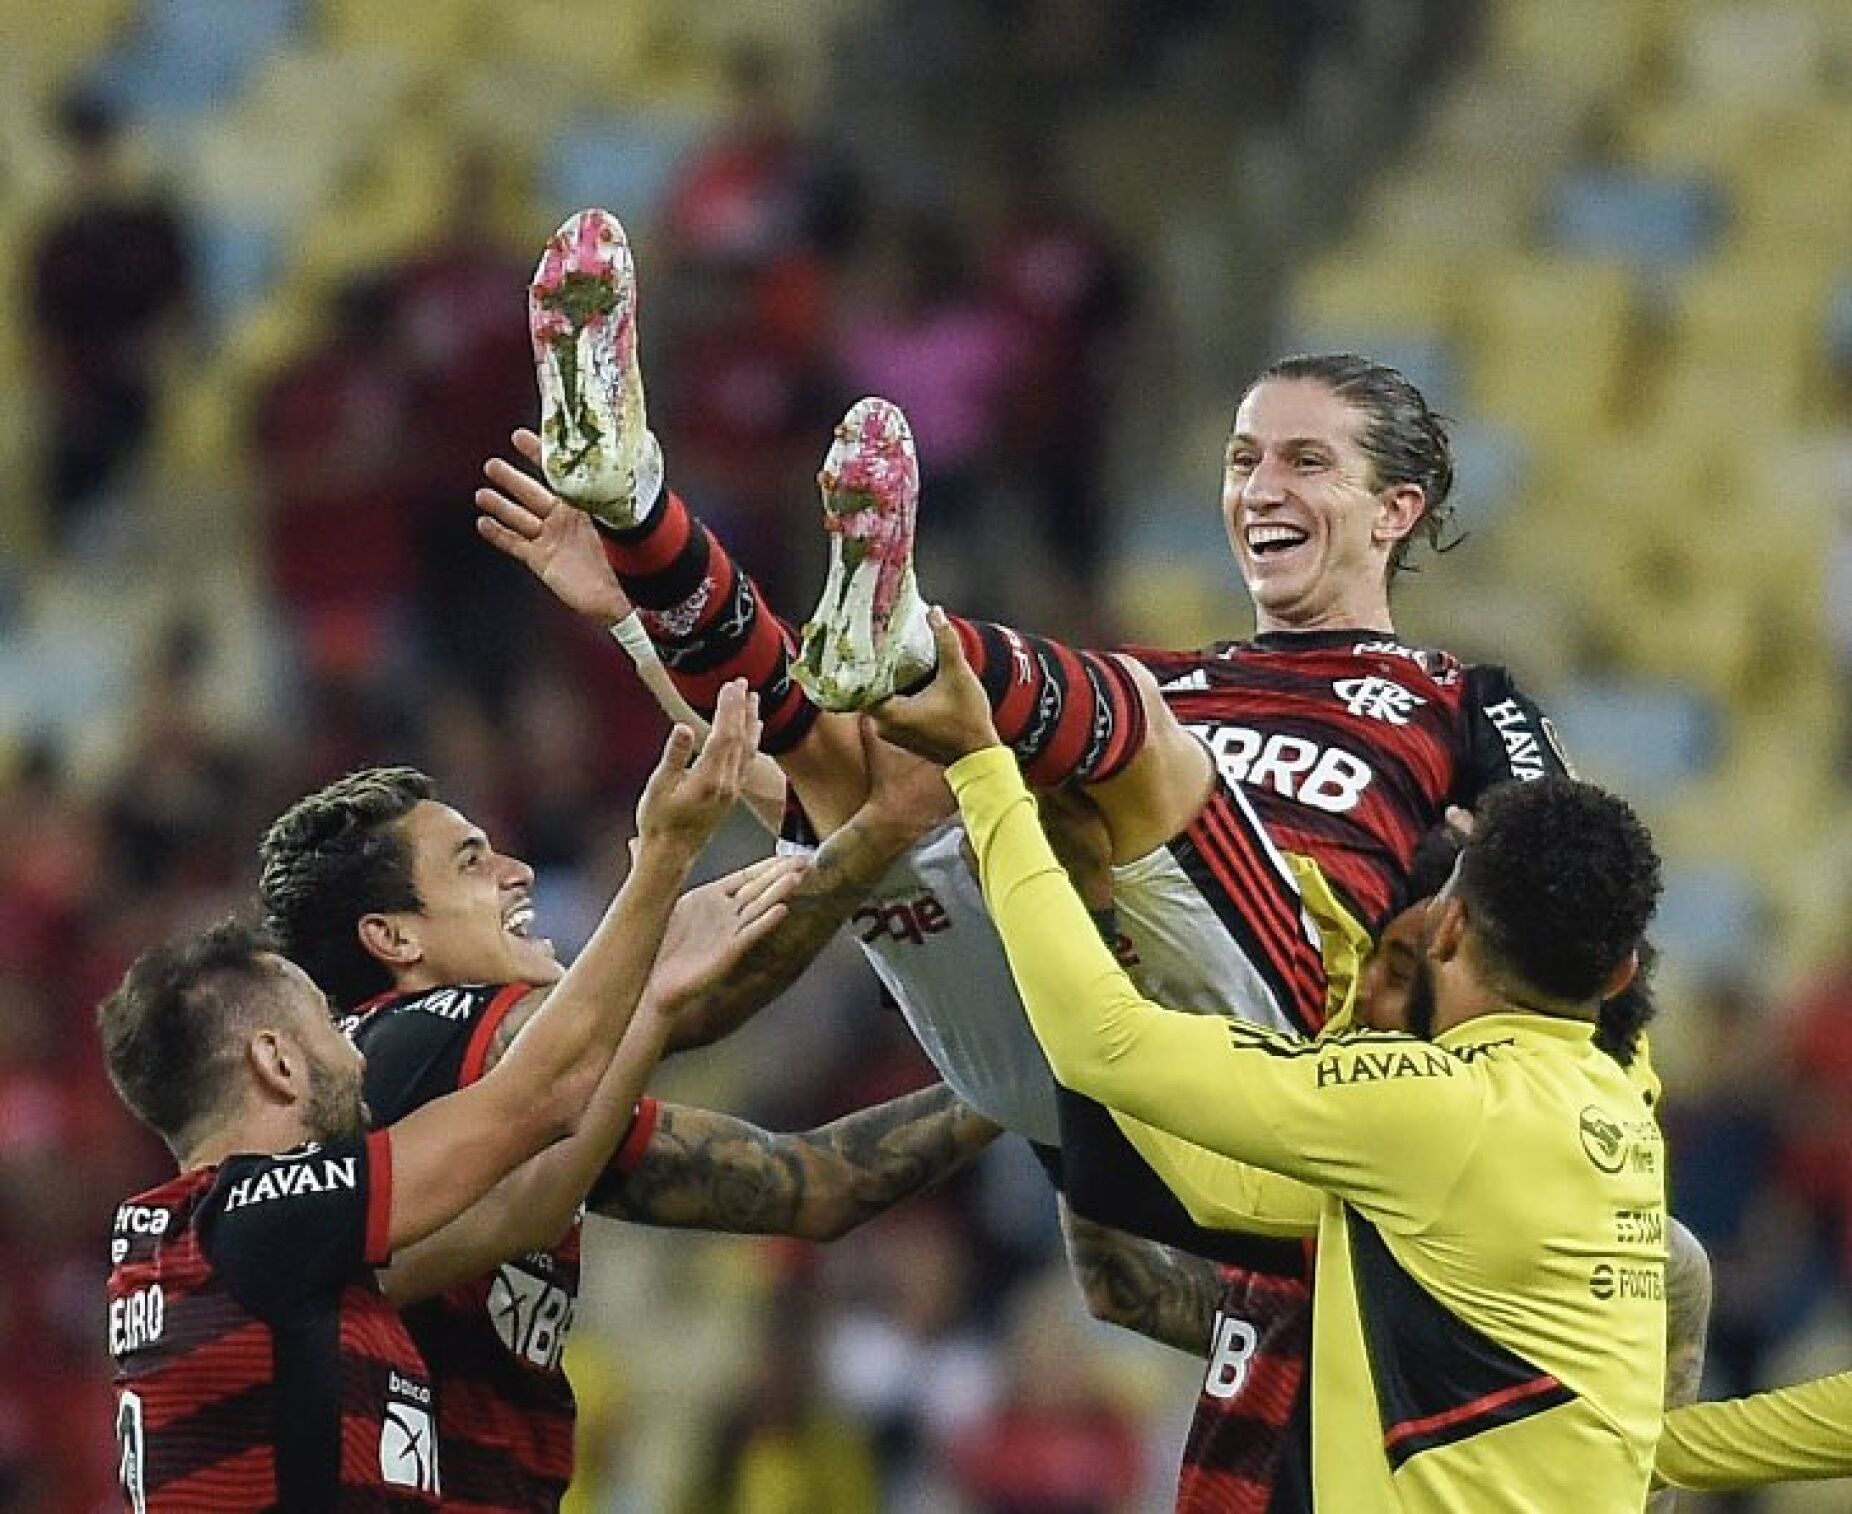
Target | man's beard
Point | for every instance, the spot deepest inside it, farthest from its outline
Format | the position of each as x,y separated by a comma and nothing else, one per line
1421,1000
336,1110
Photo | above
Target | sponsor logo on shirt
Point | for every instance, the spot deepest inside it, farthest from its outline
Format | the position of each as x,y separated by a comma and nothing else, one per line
1523,742
407,1440
909,920
1326,778
1342,1067
325,1175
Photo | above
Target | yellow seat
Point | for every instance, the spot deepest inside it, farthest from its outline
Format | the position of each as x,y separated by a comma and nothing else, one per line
1549,339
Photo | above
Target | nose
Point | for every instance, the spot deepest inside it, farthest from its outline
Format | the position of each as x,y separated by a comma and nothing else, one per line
516,873
1266,483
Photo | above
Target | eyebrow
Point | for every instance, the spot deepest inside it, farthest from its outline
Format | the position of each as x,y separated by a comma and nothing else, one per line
475,841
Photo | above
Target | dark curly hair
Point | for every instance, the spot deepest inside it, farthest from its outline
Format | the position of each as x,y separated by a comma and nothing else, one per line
1405,440
1624,1018
169,1030
1559,878
331,858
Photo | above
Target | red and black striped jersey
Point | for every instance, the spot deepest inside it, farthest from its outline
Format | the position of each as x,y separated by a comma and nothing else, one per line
1352,744
506,1410
1249,1450
257,1364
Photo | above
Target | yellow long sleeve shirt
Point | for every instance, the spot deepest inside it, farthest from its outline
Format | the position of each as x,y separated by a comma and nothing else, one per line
1489,1329
1785,1435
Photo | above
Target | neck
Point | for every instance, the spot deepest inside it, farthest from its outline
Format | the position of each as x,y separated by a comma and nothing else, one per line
1367,614
267,1131
1477,997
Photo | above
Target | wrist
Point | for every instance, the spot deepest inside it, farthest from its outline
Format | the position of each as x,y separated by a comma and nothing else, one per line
629,634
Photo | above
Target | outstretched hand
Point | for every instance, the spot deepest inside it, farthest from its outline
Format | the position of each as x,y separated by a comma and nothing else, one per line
950,717
684,802
715,925
522,518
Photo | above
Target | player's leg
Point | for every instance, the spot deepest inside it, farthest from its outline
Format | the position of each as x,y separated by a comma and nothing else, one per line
704,614
1070,715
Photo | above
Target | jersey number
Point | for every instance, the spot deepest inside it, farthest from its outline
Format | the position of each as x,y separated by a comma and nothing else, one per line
129,1447
531,1316
1230,1356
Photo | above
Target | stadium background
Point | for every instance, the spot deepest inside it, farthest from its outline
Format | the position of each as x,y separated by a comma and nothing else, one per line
257,341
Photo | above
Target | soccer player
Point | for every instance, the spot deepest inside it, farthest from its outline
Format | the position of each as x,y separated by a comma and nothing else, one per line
421,932
258,1364
1487,1192
1348,743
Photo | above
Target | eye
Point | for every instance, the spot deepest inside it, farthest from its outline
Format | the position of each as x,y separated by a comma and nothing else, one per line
1242,462
1311,462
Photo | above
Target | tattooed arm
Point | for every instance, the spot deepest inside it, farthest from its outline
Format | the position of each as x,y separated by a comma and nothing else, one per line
1688,1311
907,798
708,1171
1155,1290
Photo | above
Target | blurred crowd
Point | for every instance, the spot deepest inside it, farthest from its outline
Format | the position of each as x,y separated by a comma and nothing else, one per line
940,1361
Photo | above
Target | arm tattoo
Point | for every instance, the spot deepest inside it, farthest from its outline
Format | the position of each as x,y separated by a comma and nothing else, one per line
1688,1308
710,1171
1155,1290
841,874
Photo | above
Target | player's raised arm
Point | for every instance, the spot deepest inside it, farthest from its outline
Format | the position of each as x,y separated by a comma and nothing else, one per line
523,519
448,1153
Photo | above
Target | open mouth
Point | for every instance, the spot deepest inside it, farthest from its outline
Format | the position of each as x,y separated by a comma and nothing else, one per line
519,921
1273,539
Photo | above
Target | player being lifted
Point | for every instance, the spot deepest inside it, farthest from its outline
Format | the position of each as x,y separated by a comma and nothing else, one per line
1347,743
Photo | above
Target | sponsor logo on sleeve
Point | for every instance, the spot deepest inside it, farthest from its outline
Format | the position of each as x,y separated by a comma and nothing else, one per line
407,1439
299,1176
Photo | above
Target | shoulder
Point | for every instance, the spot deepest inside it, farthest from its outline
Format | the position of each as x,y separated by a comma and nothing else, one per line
422,1046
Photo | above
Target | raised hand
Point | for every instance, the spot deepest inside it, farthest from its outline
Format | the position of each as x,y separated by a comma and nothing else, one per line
522,518
715,925
907,794
949,718
684,802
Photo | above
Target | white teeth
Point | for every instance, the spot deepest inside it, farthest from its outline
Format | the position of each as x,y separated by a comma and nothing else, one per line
518,920
1262,537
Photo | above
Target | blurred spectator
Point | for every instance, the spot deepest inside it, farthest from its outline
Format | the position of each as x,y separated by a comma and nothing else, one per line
922,335
781,1448
335,450
744,414
110,287
458,312
1055,1444
1063,286
911,1361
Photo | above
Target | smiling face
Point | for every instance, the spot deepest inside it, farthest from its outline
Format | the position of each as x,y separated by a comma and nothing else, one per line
1306,521
476,910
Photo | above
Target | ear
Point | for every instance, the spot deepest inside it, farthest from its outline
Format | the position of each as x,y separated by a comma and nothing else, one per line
278,1064
1446,928
1622,976
388,941
1398,511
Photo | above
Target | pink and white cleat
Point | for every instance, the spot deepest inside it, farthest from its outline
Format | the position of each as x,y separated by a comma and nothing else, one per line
596,448
869,637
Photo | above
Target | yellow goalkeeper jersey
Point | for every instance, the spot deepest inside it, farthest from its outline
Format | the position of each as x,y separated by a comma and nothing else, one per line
1784,1435
1489,1328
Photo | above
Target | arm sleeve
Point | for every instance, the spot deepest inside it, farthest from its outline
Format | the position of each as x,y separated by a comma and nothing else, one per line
1787,1434
281,1231
1506,736
1384,1120
1108,1178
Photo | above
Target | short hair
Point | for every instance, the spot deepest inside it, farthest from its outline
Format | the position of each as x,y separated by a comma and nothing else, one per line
331,858
1559,878
169,1030
1404,438
1624,1018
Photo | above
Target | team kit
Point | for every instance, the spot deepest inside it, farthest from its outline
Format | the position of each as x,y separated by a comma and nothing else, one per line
1315,979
